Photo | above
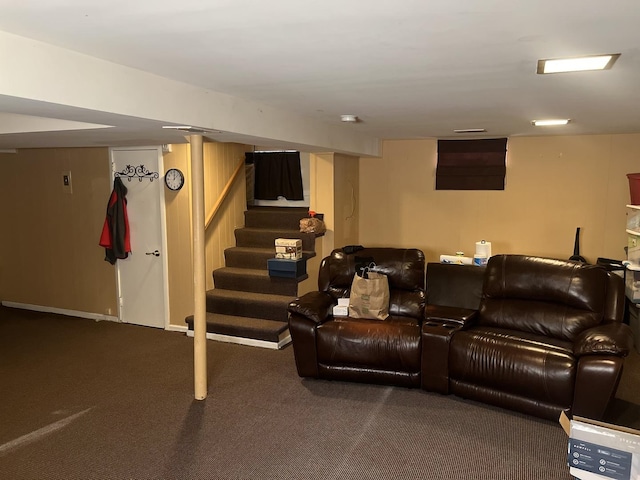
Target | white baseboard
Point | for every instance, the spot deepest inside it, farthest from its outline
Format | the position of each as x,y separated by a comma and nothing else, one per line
61,311
177,328
246,341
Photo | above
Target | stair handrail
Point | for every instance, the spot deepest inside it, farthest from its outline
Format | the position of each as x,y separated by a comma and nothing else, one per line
223,195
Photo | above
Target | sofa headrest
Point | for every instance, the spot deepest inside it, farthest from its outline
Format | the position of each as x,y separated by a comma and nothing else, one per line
544,279
550,297
404,267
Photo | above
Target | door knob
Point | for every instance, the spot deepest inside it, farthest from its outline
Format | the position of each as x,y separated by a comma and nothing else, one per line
155,253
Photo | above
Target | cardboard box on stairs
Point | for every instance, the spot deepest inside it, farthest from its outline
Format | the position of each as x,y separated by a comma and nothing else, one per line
289,248
284,268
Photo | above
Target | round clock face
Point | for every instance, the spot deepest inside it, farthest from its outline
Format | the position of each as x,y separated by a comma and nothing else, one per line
174,179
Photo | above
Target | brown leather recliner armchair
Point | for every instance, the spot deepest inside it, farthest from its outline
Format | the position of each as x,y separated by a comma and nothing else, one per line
548,336
373,351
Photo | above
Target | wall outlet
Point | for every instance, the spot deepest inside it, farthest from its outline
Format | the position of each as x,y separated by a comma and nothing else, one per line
66,182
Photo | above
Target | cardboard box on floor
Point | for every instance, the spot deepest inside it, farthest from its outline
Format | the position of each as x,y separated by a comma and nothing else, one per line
601,451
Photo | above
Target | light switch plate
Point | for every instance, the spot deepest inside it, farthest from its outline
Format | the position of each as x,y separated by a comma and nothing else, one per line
66,182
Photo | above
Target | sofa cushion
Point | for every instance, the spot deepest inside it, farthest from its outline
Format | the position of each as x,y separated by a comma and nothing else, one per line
526,365
391,344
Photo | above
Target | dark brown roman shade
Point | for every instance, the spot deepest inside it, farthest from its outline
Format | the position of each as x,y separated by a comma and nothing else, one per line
471,164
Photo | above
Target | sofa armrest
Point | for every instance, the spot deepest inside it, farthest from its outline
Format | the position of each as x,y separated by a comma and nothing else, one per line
316,306
612,338
438,328
461,317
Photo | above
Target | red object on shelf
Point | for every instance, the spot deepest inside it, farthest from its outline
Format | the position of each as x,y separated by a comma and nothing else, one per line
634,187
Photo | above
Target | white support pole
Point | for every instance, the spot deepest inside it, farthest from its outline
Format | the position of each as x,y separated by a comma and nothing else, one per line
199,275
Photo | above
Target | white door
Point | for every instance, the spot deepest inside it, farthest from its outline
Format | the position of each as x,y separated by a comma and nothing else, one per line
142,276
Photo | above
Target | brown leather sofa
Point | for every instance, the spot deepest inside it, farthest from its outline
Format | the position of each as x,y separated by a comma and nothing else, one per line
363,350
526,333
547,336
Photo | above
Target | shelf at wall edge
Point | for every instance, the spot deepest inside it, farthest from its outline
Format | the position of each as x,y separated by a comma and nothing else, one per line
633,232
635,207
632,266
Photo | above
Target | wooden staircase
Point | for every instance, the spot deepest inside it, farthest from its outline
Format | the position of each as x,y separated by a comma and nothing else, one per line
246,305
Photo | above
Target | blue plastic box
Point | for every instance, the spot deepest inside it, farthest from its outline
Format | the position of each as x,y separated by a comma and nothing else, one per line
286,268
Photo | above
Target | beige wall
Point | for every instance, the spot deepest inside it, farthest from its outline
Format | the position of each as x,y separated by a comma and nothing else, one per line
49,243
50,254
553,185
334,180
346,207
53,260
322,198
334,193
220,161
179,244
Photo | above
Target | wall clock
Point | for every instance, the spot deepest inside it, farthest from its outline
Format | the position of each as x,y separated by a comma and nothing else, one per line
174,179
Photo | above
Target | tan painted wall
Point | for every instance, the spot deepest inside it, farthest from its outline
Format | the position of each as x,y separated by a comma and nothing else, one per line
220,161
346,206
322,197
554,184
334,182
53,259
179,244
49,243
50,255
334,192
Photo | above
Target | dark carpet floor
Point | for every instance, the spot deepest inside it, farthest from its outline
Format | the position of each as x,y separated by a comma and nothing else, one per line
81,399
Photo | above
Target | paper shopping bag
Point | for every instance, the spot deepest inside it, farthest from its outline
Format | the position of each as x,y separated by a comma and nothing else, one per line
369,296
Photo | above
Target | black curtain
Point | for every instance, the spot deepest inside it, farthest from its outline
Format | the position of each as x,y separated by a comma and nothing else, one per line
471,164
277,174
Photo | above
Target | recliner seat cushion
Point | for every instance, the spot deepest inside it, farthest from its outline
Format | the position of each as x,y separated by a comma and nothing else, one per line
392,344
512,362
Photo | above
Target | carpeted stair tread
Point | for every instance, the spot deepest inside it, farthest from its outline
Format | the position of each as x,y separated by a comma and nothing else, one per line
275,217
254,280
253,257
265,237
248,304
243,327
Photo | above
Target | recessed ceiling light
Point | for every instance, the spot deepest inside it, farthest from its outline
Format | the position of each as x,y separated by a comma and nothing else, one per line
550,122
349,118
470,130
577,64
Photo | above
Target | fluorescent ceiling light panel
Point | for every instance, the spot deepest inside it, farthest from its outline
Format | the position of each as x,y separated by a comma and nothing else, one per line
551,122
189,128
349,118
577,64
470,130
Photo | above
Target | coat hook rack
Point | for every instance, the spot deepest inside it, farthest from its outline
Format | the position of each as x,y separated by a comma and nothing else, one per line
138,172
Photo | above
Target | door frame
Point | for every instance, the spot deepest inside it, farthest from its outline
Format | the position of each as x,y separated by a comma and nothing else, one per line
163,233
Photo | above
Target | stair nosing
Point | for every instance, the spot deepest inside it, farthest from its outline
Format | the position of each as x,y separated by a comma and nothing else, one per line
223,293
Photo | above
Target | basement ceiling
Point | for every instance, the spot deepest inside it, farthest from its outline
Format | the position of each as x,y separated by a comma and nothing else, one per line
409,69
